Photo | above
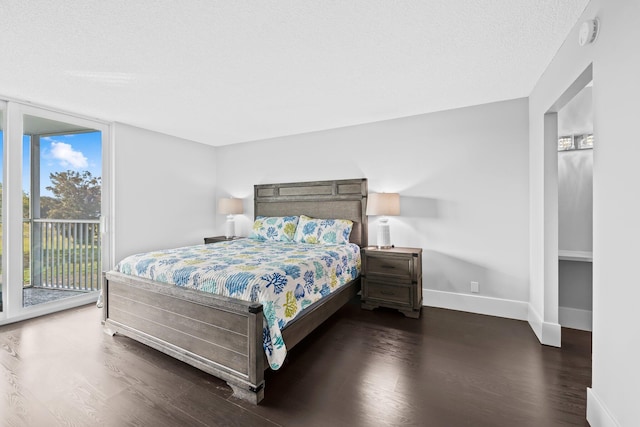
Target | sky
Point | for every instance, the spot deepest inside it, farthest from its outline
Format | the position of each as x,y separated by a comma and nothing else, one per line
76,152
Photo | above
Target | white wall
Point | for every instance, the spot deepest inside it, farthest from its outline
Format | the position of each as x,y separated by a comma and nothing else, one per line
164,190
576,289
576,117
575,200
612,400
462,176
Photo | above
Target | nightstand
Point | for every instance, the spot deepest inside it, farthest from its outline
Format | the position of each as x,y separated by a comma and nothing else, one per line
216,239
392,278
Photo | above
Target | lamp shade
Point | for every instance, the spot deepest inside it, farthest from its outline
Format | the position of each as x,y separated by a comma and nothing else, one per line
385,204
230,206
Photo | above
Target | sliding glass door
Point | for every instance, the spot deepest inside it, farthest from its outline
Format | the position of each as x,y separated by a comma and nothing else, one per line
3,291
54,238
62,170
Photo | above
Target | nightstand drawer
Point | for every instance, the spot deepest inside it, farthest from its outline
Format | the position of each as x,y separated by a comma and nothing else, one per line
400,267
388,293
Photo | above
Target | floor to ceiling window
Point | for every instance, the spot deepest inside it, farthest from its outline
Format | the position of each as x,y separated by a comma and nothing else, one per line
53,203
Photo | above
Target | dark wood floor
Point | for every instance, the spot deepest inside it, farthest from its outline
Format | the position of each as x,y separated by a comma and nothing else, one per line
360,368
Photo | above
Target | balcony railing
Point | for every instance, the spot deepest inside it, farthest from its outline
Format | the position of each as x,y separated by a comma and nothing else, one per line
65,254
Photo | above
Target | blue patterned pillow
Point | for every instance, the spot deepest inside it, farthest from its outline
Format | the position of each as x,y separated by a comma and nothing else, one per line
280,228
328,231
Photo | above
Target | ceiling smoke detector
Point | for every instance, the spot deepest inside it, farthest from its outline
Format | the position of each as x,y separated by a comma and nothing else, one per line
588,32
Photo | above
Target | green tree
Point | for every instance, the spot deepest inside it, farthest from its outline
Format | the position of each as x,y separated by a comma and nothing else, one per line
47,205
77,194
25,205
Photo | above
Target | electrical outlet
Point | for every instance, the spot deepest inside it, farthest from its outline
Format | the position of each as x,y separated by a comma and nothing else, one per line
475,287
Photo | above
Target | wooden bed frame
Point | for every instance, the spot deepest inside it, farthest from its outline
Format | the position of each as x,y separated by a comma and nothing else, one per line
221,335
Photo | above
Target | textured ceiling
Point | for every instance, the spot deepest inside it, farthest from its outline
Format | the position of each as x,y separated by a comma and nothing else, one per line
221,72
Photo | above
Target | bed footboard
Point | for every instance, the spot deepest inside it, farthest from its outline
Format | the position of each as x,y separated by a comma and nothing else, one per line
219,335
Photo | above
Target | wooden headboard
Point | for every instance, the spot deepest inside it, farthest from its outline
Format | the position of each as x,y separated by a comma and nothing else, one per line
337,199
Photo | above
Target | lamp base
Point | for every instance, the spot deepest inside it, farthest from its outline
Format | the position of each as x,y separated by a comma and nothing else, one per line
230,227
384,234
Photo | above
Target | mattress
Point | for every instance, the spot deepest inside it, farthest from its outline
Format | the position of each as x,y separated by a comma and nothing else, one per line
285,277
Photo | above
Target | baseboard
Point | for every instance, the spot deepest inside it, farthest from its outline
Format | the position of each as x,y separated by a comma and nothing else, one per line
548,333
499,307
597,413
575,318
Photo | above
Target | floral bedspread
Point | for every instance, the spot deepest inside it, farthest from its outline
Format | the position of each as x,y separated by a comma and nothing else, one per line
285,277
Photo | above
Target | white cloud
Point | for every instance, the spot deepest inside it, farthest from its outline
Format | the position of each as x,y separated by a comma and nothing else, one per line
68,156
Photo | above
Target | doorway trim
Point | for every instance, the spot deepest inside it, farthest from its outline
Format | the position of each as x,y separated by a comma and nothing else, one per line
550,331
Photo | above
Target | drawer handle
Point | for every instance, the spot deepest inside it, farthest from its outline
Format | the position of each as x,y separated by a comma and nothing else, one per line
387,293
388,266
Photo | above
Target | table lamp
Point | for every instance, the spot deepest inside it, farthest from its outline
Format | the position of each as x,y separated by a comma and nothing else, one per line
230,207
383,204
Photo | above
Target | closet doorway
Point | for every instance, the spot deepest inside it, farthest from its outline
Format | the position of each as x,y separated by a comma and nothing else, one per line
551,324
575,211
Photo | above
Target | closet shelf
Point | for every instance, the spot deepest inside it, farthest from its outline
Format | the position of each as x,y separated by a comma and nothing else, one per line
582,256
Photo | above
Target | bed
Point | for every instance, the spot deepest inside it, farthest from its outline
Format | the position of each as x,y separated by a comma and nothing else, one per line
223,335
